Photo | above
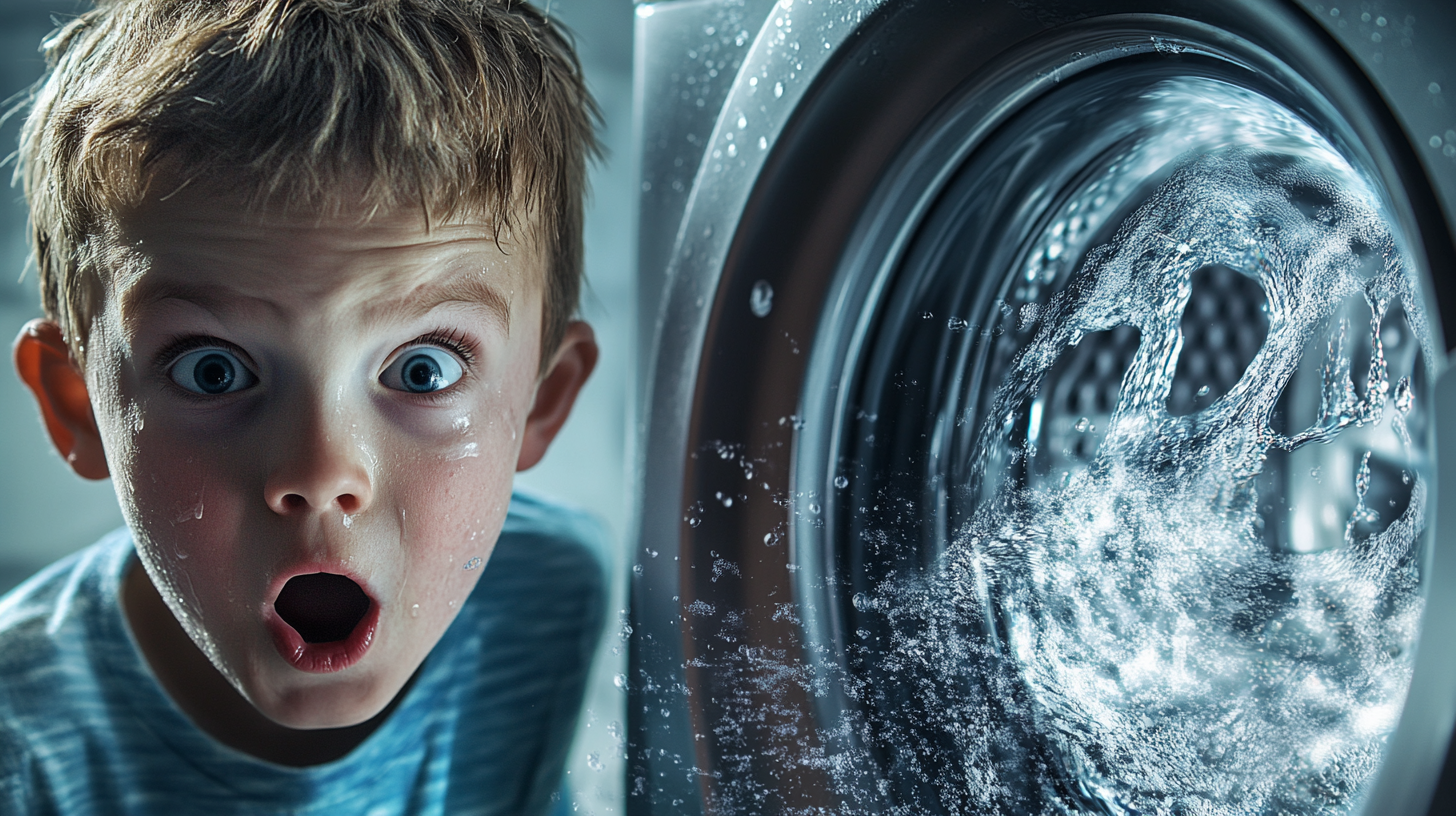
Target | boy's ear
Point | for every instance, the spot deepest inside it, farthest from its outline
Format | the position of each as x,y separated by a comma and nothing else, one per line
575,359
44,362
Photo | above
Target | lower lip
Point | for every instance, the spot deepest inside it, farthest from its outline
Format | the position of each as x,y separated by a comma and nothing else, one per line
323,658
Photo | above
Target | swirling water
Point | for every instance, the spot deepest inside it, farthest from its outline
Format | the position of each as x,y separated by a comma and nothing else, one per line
1142,635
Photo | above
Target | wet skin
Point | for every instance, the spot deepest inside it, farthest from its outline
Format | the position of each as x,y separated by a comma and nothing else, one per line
330,448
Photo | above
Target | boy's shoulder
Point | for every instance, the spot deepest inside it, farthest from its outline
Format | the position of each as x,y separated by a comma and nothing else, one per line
49,620
55,646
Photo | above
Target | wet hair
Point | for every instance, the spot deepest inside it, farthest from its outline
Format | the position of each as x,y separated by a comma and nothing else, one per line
458,107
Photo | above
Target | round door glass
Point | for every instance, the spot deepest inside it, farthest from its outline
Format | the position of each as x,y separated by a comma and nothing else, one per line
1135,466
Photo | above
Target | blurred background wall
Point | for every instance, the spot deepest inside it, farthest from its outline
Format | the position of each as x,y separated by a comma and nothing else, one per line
48,512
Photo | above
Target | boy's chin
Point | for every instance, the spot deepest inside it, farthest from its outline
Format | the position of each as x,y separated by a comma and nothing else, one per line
335,702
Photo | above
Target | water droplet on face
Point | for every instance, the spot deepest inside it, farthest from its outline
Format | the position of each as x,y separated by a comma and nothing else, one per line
760,300
474,563
841,482
348,521
415,611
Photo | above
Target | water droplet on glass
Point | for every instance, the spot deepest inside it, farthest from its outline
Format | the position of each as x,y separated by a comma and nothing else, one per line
637,569
620,681
1362,477
814,508
778,89
841,482
760,300
1404,397
763,143
742,121
1082,425
1203,392
594,761
861,602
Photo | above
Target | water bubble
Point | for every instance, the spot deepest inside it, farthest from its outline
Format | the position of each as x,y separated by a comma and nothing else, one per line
1082,425
862,602
760,300
1202,392
594,761
620,681
637,569
841,482
813,508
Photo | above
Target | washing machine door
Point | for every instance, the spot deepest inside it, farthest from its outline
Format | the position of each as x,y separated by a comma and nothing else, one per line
1048,414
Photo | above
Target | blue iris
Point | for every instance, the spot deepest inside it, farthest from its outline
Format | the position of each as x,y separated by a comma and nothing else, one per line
211,371
422,370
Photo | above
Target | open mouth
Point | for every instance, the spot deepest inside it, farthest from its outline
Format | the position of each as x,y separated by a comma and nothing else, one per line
322,607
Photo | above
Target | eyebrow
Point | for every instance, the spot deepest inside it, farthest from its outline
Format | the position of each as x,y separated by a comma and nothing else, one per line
219,299
468,289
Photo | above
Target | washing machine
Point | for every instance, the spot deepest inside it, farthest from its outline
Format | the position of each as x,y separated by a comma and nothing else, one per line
1045,407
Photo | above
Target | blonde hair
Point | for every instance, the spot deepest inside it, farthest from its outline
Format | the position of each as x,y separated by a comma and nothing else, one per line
455,106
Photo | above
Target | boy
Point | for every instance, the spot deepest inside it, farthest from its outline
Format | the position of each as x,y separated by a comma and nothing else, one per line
308,268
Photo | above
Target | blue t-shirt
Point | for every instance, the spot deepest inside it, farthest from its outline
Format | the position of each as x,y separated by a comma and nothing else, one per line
86,728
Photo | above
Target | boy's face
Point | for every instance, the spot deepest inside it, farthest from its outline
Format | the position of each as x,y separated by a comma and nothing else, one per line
281,395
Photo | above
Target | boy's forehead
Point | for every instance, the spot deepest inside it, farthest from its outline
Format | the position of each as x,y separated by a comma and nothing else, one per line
210,248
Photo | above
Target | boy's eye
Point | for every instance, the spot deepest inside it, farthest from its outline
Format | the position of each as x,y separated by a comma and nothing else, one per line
422,370
211,371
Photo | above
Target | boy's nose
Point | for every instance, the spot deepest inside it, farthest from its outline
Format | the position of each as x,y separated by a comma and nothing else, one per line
320,472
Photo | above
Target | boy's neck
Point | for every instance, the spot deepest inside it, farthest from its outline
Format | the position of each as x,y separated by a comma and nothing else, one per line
211,702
